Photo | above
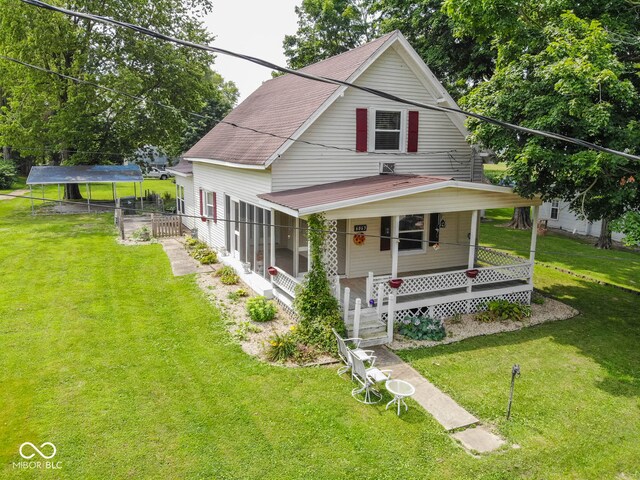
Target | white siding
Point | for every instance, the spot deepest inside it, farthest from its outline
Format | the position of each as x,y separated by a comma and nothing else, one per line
305,165
238,183
438,201
569,221
453,248
189,205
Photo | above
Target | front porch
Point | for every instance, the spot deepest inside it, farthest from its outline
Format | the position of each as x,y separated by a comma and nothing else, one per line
432,255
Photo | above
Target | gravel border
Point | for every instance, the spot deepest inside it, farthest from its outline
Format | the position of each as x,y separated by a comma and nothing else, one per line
467,327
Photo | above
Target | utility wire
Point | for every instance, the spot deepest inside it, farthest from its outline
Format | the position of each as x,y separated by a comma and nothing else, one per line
329,80
291,227
182,110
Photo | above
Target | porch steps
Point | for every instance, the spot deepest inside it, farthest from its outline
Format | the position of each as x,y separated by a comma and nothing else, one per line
372,331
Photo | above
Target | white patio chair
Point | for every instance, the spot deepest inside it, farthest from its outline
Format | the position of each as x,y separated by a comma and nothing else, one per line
343,351
368,378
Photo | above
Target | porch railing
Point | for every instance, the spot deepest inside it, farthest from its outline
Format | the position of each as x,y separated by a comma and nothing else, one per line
378,287
285,282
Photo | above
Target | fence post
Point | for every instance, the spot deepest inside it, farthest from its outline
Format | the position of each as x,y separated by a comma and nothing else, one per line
154,230
356,318
380,299
369,289
390,317
345,308
337,289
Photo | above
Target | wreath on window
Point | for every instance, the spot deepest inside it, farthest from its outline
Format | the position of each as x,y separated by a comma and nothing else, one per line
359,239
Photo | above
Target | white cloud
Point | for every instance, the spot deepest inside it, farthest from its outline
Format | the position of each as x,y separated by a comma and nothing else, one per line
252,27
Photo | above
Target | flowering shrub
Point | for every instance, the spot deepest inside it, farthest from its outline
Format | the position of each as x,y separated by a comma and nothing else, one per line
282,347
422,328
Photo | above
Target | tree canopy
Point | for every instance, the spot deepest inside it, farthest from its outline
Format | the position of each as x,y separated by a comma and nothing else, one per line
58,120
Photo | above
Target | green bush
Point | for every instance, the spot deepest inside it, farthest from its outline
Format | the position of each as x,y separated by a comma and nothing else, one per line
497,310
422,328
8,174
227,275
282,347
142,234
191,242
201,251
237,295
260,309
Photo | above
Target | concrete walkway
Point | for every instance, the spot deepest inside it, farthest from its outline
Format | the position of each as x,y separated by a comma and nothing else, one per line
181,262
443,408
15,192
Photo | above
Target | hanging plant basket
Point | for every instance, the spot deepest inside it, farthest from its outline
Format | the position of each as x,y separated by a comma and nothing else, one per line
273,271
396,282
473,273
204,219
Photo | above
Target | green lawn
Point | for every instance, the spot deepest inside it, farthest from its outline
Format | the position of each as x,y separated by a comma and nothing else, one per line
103,191
619,267
131,374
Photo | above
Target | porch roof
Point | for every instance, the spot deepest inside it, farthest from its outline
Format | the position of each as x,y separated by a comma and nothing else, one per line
344,195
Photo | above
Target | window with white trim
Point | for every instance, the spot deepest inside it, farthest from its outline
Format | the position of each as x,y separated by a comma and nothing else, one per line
555,209
180,200
411,233
387,130
209,205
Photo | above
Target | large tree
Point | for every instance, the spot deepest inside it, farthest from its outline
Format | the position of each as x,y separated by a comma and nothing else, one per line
459,63
57,120
327,28
558,72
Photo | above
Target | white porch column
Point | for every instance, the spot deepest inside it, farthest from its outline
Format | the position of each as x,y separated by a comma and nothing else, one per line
296,246
272,234
395,232
473,239
534,239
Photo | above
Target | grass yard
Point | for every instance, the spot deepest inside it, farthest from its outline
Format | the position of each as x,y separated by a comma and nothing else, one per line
618,267
131,374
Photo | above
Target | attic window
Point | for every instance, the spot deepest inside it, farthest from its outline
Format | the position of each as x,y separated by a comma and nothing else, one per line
387,130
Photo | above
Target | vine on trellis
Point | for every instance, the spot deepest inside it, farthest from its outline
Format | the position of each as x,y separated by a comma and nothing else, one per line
315,304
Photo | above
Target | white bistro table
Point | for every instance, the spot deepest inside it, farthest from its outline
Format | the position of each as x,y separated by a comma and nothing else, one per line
400,390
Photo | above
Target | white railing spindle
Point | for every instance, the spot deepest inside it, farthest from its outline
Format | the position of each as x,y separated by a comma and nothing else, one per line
345,308
356,318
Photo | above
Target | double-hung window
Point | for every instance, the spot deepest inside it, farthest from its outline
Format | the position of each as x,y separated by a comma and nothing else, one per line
210,205
388,130
180,200
411,233
555,209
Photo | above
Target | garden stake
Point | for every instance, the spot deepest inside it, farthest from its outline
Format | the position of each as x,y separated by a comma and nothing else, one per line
515,372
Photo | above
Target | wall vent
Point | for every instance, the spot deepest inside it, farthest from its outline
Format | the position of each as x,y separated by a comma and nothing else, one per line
386,168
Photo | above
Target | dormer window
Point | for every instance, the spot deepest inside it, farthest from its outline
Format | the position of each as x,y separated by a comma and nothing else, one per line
388,130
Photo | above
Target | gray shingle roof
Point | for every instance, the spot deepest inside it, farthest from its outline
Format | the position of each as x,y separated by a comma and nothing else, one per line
279,106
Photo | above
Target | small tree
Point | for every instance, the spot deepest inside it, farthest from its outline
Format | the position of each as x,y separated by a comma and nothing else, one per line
317,308
7,173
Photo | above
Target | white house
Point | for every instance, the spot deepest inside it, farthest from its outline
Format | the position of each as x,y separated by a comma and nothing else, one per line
377,169
558,215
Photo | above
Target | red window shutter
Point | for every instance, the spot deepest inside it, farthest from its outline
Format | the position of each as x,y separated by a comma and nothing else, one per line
361,129
201,204
215,208
412,143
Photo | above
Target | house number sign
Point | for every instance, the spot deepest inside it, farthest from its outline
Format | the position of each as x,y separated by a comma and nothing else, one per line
359,228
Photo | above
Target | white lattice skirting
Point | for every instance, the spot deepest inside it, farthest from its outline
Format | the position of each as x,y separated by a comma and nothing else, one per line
448,309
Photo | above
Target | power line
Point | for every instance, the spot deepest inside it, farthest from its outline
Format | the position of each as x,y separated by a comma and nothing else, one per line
292,227
308,76
171,107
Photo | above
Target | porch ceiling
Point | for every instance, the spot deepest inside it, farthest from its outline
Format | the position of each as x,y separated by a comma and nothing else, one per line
383,195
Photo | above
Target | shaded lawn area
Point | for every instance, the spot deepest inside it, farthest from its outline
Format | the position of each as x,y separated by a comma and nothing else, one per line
131,374
18,184
619,267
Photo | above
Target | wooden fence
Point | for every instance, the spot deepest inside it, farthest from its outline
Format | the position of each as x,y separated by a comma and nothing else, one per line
166,225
